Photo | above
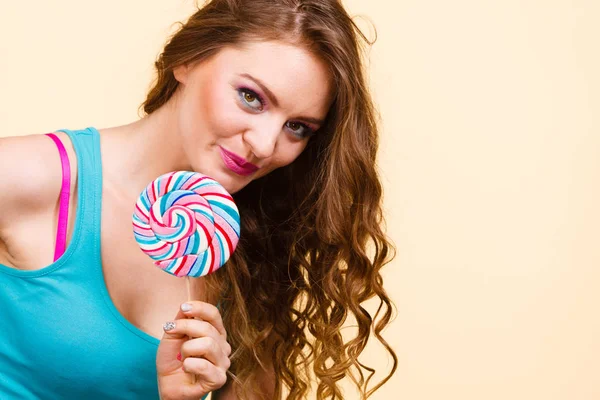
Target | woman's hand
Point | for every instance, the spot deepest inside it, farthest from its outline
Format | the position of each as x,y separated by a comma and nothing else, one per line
193,347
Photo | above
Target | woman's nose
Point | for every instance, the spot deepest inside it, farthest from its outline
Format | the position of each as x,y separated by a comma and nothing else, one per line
262,139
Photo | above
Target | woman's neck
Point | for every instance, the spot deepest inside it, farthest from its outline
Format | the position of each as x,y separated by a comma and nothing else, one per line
135,154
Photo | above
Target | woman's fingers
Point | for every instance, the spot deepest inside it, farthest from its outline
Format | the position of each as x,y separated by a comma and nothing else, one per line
193,328
206,372
193,355
207,348
170,346
206,312
199,333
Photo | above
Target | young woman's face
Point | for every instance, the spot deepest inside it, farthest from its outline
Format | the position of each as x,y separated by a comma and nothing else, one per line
247,111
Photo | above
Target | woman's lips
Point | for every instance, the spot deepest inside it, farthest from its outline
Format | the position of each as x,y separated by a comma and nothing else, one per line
237,164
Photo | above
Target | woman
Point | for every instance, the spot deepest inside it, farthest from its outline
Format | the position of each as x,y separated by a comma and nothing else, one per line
268,98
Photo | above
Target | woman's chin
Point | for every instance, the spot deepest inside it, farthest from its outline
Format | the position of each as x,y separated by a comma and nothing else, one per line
231,182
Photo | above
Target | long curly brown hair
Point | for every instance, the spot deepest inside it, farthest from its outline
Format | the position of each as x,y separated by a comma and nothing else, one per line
312,241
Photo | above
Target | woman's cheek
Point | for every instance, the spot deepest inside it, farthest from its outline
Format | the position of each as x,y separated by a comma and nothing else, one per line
225,117
288,154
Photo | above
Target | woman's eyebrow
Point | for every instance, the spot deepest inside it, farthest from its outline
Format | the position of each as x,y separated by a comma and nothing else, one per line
265,89
315,121
273,99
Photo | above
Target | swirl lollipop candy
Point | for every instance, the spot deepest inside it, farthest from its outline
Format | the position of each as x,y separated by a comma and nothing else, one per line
187,223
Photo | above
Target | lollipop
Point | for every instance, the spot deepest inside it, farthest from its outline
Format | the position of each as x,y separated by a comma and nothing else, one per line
187,223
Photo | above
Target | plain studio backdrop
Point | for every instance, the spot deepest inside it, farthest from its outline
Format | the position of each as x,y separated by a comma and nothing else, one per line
490,157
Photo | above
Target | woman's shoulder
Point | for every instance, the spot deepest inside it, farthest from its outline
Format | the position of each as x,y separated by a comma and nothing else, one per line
30,176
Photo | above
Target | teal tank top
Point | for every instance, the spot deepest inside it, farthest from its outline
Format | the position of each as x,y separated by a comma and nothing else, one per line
61,336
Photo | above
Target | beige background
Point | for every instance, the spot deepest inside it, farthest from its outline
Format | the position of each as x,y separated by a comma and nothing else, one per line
490,159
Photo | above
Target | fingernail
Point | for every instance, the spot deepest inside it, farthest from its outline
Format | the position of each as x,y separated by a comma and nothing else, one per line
168,326
179,356
185,307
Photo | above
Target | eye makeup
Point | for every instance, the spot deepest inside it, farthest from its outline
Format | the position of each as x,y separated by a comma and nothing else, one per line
306,131
248,97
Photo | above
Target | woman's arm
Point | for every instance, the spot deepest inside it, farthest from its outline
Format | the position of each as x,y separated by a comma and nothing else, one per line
30,183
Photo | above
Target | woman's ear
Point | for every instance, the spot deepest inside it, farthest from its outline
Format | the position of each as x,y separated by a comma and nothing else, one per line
181,73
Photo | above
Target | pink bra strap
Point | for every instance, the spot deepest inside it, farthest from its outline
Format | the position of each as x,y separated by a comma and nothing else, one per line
65,194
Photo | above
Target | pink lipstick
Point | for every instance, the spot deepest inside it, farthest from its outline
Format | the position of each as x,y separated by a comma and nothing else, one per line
237,164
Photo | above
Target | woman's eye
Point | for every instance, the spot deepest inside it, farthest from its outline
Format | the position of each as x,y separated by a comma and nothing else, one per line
299,129
251,99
